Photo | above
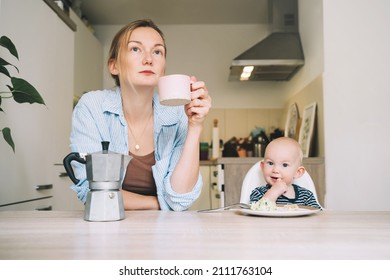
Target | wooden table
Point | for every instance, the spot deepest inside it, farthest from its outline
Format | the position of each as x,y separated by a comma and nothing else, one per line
192,235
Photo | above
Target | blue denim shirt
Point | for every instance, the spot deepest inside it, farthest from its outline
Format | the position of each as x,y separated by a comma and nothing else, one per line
98,116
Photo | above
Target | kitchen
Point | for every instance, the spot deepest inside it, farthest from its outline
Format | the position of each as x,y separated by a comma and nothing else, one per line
321,78
260,104
353,119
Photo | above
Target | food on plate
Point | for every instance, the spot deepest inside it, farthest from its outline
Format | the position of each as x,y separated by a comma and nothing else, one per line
264,204
291,207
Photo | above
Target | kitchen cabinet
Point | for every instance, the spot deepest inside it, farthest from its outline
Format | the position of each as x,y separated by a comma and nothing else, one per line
46,50
203,202
42,204
88,59
64,199
235,169
87,76
50,57
210,195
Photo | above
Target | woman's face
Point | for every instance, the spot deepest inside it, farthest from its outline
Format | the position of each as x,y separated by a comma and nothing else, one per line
143,61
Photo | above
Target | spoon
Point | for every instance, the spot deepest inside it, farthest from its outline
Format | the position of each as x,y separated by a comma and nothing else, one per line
233,206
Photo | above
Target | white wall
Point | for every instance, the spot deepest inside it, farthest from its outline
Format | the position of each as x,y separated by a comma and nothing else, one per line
356,104
311,32
206,51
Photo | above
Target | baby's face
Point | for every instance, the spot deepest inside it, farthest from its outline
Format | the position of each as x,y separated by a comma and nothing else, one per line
281,163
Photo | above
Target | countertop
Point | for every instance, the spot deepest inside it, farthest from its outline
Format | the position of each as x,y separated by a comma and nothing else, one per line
193,235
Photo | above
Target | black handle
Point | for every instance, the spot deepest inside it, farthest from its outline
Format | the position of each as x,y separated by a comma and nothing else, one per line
105,145
43,187
68,167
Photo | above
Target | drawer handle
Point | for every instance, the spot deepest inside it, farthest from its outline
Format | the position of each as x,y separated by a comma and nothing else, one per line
48,208
63,174
44,187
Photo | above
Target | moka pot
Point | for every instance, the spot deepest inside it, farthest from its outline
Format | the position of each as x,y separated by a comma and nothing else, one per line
105,171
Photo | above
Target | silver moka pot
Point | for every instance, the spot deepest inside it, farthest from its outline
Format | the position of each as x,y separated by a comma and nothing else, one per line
105,172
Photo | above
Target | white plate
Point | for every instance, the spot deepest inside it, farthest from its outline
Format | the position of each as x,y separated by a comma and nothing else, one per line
281,212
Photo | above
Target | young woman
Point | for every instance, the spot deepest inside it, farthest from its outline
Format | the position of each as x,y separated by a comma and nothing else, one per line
163,140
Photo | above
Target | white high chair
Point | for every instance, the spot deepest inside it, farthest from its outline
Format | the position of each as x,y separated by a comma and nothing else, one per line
254,178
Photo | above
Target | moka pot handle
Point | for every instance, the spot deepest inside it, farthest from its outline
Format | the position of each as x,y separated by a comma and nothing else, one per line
68,167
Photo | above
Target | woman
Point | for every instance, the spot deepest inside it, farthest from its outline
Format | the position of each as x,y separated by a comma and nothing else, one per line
163,141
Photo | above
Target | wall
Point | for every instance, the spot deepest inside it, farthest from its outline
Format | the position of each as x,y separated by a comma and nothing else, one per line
88,59
313,92
356,104
306,86
207,54
311,32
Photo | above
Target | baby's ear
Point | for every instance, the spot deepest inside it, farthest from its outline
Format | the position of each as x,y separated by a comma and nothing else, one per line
261,164
300,172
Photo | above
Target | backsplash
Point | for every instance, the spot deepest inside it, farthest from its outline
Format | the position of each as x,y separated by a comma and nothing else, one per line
240,122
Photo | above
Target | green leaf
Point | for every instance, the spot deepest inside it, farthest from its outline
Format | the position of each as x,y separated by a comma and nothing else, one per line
24,92
7,43
4,71
4,63
8,138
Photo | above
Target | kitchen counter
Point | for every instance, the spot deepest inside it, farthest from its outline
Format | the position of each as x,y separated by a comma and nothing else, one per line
208,162
192,235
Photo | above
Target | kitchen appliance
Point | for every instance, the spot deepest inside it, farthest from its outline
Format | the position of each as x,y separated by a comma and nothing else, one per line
105,171
278,56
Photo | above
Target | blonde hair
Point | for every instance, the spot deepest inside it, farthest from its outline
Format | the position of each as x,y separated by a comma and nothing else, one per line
119,43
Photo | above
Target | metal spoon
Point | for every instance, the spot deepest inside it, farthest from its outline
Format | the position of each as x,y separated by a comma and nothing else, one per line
233,206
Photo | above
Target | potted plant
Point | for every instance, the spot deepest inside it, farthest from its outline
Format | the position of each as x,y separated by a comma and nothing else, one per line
19,89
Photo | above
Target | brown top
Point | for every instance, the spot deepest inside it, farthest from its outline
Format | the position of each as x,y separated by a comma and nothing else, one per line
139,177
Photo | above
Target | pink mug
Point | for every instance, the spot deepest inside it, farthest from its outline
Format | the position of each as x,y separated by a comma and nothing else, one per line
174,90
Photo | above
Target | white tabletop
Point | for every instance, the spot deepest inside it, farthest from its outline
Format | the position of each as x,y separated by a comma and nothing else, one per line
192,235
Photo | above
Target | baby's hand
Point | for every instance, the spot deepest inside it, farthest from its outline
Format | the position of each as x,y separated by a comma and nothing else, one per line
279,187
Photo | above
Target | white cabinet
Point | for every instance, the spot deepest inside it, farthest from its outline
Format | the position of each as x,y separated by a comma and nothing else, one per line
210,196
216,194
64,198
203,202
44,204
61,64
87,76
88,59
41,133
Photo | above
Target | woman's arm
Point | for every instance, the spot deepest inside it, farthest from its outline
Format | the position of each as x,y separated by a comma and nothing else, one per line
133,201
186,172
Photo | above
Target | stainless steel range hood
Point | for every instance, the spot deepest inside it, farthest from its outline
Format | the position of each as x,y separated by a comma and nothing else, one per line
280,55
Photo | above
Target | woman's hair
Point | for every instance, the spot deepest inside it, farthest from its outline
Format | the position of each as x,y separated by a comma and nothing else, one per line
122,37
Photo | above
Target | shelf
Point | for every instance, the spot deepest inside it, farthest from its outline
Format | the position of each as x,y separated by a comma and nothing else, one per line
65,17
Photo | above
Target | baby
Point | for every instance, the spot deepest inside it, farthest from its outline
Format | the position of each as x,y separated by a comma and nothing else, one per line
282,164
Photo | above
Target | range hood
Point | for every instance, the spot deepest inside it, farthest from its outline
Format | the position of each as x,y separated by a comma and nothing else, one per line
277,57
